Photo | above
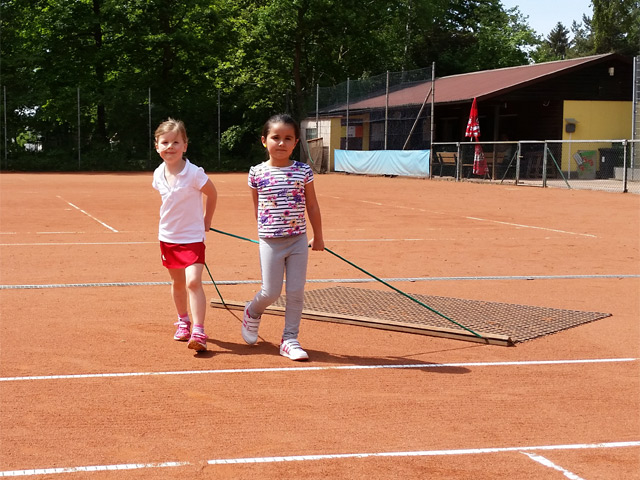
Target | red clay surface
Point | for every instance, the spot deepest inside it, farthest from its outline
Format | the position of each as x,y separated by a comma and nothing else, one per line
237,402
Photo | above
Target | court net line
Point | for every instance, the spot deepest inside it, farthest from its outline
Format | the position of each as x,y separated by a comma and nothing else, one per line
325,280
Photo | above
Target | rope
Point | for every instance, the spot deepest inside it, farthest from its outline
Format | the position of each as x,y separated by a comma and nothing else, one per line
372,276
214,284
403,293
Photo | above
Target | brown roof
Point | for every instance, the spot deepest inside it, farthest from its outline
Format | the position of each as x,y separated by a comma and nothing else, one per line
465,87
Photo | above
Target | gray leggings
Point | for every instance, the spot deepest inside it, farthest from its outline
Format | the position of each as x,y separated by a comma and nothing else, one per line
277,256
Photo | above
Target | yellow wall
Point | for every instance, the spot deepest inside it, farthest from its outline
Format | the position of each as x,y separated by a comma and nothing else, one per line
596,121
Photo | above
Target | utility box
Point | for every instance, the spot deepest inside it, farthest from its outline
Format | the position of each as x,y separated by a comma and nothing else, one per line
609,159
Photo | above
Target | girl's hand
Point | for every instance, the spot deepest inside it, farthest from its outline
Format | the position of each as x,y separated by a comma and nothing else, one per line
316,244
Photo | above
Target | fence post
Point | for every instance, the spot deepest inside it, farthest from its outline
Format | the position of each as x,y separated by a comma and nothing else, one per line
433,103
219,155
4,112
519,151
317,110
346,134
544,166
386,112
624,166
458,162
79,140
150,142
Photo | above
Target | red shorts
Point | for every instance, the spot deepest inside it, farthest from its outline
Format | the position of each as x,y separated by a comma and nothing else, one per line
176,255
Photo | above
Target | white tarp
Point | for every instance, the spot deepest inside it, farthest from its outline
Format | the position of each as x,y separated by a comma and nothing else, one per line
412,163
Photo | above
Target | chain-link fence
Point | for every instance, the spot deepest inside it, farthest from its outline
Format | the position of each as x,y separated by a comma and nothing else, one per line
367,120
609,165
74,132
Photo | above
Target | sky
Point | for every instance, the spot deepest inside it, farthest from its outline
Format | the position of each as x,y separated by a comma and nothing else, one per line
545,14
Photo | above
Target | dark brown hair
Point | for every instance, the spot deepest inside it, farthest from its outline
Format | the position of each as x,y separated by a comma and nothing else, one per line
281,118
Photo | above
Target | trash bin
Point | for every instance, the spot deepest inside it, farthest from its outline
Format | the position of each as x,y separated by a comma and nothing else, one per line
609,158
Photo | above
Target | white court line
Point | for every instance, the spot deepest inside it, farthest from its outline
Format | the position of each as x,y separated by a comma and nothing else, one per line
532,226
315,369
479,219
322,280
383,240
329,241
57,244
548,463
92,468
423,453
312,457
88,215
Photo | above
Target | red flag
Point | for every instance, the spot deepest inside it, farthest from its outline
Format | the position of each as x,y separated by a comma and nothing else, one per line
473,131
479,162
473,127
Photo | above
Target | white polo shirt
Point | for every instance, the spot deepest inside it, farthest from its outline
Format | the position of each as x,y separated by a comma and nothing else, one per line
181,212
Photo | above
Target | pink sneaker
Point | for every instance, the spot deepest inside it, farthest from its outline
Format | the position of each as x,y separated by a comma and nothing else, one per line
198,342
183,333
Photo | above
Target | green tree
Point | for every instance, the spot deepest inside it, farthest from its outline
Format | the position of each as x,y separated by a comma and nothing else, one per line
472,35
615,26
555,47
558,41
260,56
582,43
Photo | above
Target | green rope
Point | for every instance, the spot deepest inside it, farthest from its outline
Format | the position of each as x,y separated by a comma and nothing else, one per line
214,284
401,292
234,236
374,277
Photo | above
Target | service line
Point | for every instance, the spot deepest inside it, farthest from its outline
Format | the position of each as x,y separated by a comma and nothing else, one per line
88,215
316,457
518,225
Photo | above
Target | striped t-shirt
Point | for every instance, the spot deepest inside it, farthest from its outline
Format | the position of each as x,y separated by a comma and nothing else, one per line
281,198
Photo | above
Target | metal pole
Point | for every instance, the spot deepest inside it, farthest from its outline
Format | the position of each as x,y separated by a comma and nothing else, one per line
415,123
433,104
219,157
518,153
346,140
634,109
151,142
458,163
386,113
569,161
5,123
624,166
317,110
79,155
544,165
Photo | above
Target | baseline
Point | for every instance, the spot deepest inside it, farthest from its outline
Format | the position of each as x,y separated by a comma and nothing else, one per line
315,369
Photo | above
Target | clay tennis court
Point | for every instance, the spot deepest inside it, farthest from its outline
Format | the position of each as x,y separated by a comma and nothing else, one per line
92,385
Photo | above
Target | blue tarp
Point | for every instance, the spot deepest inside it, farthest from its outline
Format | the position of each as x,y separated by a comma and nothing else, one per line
412,163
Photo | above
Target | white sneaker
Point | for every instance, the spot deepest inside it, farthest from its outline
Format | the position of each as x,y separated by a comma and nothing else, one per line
250,326
291,349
